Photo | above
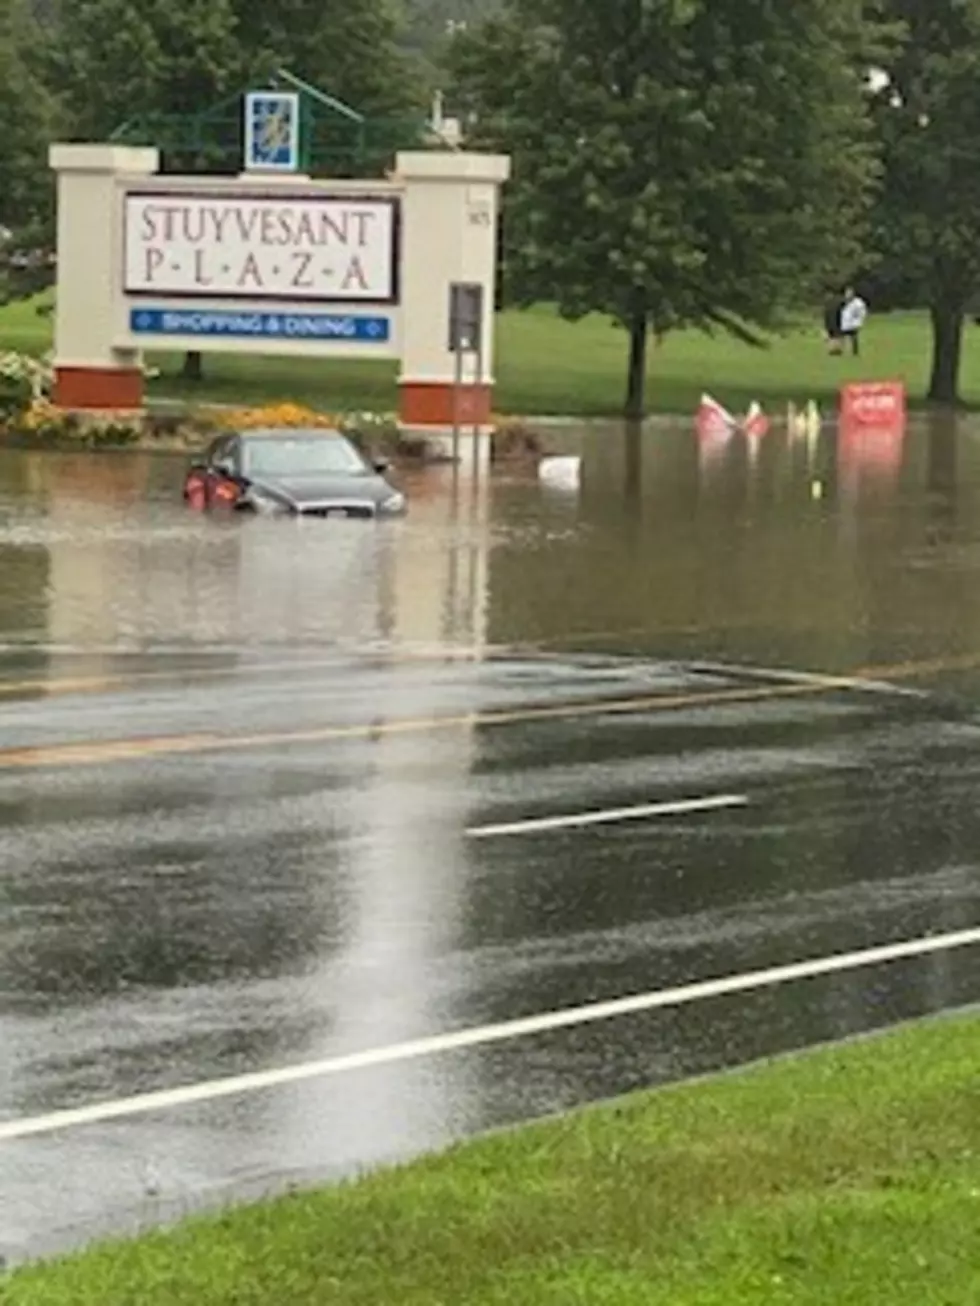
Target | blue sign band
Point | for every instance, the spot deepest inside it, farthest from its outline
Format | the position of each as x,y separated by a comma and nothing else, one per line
263,326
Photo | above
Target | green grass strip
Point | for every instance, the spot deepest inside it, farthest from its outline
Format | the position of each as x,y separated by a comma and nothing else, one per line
547,366
845,1176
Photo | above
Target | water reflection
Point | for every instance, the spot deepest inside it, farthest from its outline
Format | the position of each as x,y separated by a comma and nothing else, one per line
807,550
820,547
100,558
942,469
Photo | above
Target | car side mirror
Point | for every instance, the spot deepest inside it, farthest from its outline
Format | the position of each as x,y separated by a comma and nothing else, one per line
381,465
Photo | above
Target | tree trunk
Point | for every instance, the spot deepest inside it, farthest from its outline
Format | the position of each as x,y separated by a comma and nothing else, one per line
636,383
947,351
193,369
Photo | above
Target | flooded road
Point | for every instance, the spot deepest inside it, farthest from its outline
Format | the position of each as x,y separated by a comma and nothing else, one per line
273,794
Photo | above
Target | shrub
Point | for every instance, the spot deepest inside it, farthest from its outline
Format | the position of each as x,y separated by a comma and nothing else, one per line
23,380
367,425
111,435
43,426
514,440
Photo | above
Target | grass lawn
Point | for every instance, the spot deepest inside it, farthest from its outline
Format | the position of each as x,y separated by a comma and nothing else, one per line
547,366
848,1177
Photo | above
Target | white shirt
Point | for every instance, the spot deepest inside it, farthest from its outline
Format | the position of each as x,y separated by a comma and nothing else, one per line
854,314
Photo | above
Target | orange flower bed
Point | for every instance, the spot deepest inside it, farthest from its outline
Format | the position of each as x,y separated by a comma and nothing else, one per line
40,414
293,415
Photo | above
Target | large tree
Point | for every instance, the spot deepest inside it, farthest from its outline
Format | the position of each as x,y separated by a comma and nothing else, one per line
26,112
112,60
349,50
928,116
677,162
26,190
430,23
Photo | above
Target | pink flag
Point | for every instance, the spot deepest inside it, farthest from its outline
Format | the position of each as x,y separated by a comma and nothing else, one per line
713,419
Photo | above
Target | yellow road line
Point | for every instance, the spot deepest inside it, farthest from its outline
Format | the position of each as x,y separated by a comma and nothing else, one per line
95,752
912,670
88,753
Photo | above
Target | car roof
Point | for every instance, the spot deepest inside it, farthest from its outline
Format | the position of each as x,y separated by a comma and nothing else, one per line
311,432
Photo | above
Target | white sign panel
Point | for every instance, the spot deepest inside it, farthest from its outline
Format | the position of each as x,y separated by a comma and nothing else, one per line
335,249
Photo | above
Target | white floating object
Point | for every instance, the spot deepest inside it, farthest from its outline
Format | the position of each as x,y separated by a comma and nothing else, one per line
565,473
804,422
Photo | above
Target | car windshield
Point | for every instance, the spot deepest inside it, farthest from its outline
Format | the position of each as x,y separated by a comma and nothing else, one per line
302,455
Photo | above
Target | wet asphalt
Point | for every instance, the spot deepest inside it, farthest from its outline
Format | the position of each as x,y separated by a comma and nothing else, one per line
240,772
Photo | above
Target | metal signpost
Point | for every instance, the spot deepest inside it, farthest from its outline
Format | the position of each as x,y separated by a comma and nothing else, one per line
465,337
466,300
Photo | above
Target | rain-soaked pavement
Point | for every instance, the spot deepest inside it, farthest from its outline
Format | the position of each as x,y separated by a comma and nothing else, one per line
253,777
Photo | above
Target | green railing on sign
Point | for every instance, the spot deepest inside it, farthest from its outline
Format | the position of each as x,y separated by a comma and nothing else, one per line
334,139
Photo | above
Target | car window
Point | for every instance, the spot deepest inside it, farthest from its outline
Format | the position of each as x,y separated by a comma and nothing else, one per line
302,455
221,453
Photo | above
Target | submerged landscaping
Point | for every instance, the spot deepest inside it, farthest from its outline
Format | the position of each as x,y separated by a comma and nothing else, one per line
841,1178
30,420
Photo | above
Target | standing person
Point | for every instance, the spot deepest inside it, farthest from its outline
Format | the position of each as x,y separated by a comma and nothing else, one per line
853,316
831,323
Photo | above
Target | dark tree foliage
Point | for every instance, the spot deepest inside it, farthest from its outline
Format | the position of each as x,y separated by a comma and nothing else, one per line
677,162
927,229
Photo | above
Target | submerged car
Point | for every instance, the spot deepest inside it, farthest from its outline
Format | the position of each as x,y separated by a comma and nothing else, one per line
309,473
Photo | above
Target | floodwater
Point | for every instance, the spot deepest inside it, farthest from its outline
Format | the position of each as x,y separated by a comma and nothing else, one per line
263,786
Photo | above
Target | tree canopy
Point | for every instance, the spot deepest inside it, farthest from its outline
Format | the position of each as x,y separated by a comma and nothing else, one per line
430,24
677,162
112,61
927,113
350,50
27,113
26,186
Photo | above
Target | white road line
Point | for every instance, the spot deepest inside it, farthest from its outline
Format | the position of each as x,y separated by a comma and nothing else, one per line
607,816
525,1027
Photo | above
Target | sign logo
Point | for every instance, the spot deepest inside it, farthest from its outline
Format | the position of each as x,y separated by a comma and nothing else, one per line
272,131
242,246
262,326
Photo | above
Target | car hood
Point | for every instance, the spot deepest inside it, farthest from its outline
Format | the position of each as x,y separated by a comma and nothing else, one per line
303,492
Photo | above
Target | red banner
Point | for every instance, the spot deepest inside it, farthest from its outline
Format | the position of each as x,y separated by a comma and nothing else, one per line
877,404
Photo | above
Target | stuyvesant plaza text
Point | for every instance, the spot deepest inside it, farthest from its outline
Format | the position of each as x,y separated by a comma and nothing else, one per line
261,247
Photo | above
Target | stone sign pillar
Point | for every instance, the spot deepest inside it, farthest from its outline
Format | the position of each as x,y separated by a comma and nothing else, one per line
90,371
450,221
